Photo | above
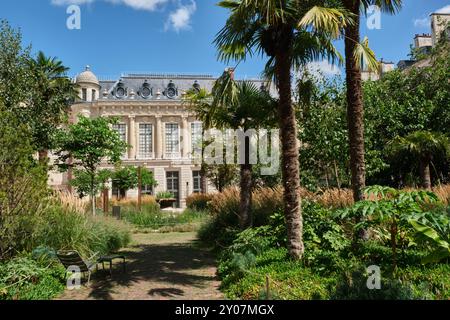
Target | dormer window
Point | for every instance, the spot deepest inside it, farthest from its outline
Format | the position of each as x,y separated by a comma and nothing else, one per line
146,91
171,91
120,91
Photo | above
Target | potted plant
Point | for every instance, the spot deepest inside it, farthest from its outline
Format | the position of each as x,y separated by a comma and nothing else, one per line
165,199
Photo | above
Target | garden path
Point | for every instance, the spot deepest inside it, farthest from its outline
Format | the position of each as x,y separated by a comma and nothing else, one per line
160,266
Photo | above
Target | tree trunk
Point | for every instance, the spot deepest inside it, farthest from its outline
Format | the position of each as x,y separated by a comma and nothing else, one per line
289,146
336,174
246,188
93,195
425,175
355,110
245,206
43,156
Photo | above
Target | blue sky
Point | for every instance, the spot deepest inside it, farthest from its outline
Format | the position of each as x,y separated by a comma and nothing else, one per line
169,36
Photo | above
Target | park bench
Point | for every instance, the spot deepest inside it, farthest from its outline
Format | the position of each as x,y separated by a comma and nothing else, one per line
73,258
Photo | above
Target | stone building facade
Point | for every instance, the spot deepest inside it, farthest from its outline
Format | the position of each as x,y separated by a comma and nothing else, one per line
153,120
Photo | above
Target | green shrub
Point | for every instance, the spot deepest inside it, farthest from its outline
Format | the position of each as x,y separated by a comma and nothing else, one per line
62,229
23,278
165,195
352,285
162,219
198,201
288,279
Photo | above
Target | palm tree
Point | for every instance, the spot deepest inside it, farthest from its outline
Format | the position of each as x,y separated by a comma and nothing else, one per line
423,146
54,92
355,54
291,33
236,105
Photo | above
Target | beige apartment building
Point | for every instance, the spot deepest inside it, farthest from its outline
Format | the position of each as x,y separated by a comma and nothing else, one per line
154,121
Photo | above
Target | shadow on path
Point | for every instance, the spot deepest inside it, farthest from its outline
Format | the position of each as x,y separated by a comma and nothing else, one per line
157,271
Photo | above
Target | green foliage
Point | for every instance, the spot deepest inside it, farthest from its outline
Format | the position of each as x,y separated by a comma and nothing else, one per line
433,230
40,83
323,133
62,229
23,278
23,185
157,220
87,143
127,178
352,285
82,181
165,195
400,104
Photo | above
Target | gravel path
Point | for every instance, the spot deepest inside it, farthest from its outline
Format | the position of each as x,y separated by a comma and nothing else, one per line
159,267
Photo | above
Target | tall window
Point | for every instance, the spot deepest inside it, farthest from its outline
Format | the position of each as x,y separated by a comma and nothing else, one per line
122,131
84,94
94,95
172,138
196,182
196,137
145,140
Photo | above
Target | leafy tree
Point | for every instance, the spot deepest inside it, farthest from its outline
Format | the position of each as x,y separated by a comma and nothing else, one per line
127,178
82,181
37,91
357,54
23,185
290,33
423,146
323,132
89,142
15,76
241,105
49,105
402,103
222,175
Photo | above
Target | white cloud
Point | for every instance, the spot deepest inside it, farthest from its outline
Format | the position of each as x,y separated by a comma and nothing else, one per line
69,2
445,9
323,68
180,19
422,23
148,5
425,22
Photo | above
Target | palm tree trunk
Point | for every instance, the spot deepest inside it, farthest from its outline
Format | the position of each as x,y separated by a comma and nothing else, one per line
245,205
425,174
355,110
289,145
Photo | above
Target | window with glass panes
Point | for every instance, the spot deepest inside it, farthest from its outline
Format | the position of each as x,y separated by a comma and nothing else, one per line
196,182
121,130
172,138
84,94
145,140
196,137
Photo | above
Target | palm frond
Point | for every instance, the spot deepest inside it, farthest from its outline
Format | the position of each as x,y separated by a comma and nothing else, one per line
364,56
329,20
386,6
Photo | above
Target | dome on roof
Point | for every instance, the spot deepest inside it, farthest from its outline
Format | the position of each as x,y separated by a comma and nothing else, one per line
87,76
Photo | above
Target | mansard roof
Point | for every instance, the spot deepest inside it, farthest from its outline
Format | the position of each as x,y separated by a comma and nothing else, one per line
155,86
